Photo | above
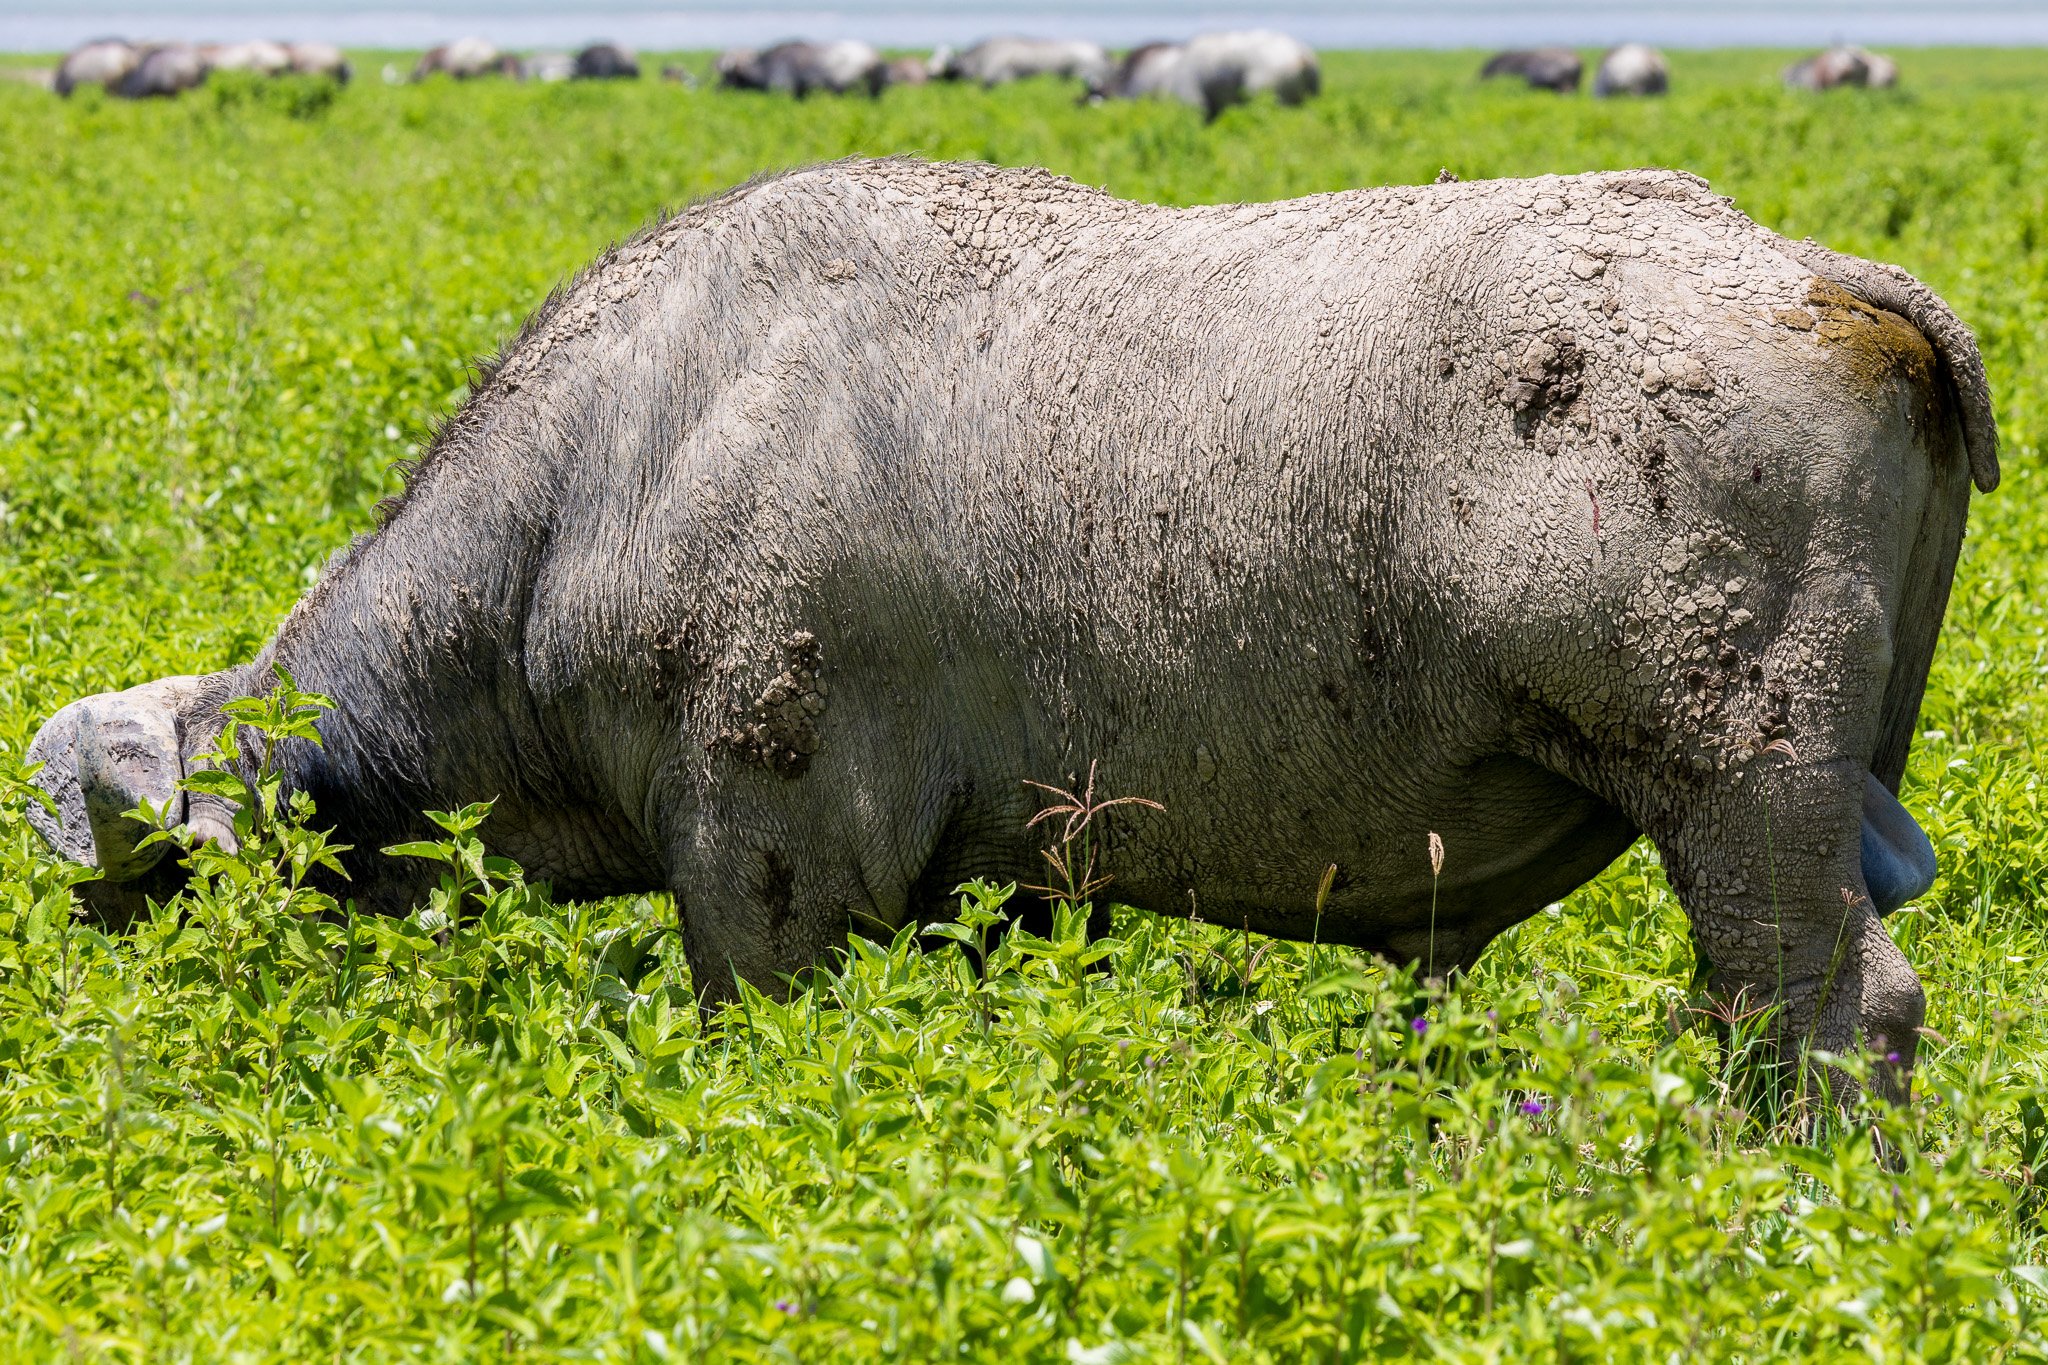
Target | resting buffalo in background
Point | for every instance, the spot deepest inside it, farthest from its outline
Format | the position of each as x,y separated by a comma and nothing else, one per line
1839,66
606,62
998,61
1535,514
164,70
798,68
1632,69
1216,70
1544,68
102,62
466,59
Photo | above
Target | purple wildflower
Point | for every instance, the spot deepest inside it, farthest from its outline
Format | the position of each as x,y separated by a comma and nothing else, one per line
1421,1026
785,1306
1533,1108
1892,1057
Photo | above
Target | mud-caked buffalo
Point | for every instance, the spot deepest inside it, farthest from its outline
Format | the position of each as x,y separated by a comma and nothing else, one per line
782,545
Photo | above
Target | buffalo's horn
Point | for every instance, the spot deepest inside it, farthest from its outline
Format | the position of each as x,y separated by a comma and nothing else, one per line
101,758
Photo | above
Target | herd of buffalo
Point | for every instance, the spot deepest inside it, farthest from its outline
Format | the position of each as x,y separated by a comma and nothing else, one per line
1210,72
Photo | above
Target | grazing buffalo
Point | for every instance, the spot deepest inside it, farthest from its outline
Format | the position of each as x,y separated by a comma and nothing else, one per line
998,61
1839,66
1518,518
1632,69
1216,70
1544,68
321,59
798,68
164,70
103,62
466,59
606,62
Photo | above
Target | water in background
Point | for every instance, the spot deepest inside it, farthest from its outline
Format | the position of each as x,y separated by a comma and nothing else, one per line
671,24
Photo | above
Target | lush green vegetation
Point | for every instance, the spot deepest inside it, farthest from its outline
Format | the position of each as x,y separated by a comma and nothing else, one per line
260,1128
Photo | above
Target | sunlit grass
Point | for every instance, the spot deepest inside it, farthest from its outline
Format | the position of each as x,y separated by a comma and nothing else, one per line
247,1132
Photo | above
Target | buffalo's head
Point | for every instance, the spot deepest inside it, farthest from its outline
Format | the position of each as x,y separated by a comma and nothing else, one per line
107,755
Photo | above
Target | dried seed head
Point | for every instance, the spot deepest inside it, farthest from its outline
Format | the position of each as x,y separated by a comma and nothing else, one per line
1436,854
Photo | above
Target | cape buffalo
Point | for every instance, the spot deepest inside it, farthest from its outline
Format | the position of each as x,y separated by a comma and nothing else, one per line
998,61
466,59
1544,68
798,68
1839,66
102,62
1216,70
321,59
1632,69
780,545
164,70
906,70
606,62
261,56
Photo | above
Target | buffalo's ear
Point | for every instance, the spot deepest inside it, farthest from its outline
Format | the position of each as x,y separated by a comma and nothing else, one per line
101,758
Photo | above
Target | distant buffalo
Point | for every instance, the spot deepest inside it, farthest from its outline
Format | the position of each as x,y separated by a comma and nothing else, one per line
260,55
606,62
320,59
998,61
102,62
164,70
798,68
908,70
1216,70
1544,68
1632,69
1838,66
466,59
547,67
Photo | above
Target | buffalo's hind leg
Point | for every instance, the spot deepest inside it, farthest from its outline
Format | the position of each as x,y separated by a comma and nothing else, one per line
1770,872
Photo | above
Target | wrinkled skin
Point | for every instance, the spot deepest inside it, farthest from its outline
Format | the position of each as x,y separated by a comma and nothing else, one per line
783,544
1544,68
1215,71
998,61
1632,69
798,69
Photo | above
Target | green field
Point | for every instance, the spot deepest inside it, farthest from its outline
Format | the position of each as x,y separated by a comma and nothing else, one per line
248,1130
